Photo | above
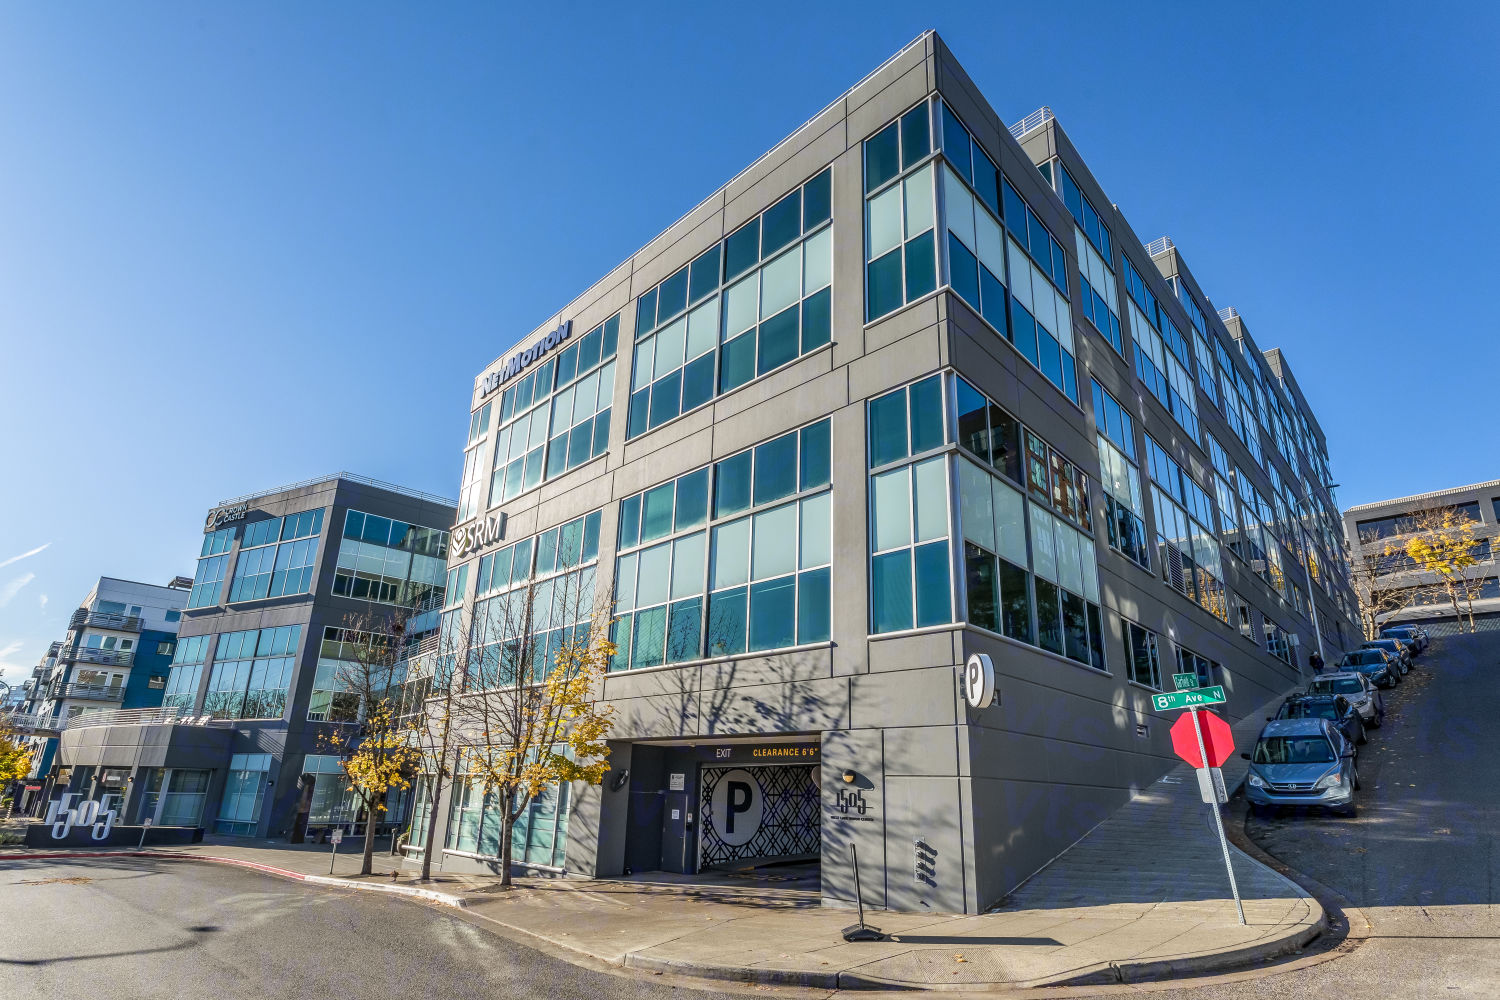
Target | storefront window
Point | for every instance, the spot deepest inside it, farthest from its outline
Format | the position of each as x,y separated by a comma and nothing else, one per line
244,793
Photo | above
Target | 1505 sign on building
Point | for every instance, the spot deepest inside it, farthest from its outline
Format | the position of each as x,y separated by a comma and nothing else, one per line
63,816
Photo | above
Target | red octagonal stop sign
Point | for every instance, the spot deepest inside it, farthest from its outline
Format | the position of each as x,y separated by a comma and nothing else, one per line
1218,741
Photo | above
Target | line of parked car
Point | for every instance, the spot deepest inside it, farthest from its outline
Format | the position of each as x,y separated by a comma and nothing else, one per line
1308,752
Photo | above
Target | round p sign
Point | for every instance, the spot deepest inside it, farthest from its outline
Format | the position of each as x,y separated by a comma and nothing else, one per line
737,807
979,680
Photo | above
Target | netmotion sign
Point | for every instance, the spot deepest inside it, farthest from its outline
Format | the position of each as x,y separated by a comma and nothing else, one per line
473,537
524,359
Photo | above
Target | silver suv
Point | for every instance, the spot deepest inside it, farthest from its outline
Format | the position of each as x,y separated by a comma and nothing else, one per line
1358,689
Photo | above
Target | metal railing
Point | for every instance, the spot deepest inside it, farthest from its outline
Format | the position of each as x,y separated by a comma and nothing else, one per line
104,619
1035,120
29,722
54,649
1160,245
347,477
92,692
128,717
105,657
1228,313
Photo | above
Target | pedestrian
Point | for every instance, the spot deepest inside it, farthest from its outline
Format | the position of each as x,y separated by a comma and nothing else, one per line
1316,662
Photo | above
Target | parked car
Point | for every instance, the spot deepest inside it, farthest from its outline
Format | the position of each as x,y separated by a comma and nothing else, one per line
1302,762
1334,707
1360,691
1398,650
1373,663
1418,637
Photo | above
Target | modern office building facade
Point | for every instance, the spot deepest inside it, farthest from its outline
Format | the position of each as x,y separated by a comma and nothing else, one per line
906,390
115,655
1403,591
240,743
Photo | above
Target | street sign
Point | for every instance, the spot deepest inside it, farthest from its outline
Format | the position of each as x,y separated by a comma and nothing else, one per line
1185,682
1211,786
979,681
336,837
1218,739
1188,699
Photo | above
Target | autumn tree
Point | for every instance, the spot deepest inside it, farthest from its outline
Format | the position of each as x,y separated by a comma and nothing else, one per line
1372,578
528,716
377,745
1442,542
15,756
429,699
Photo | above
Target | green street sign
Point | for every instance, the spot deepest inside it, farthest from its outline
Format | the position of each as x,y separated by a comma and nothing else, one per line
1188,699
1185,682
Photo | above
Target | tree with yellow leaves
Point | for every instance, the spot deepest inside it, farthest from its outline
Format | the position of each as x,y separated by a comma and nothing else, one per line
529,716
1443,543
15,757
377,747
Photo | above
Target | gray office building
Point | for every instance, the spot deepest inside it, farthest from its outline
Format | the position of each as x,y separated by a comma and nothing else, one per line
1397,589
239,745
904,406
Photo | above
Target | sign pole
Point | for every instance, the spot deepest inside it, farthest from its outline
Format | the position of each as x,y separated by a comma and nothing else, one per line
338,835
1219,822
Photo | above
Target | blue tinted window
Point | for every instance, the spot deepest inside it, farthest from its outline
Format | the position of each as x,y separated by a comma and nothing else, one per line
692,499
888,428
956,144
656,512
773,613
916,135
781,223
778,340
883,285
817,450
964,271
737,362
927,414
890,586
817,200
705,274
726,622
934,584
817,321
742,249
672,296
813,617
732,484
882,157
630,521
921,266
776,469
645,312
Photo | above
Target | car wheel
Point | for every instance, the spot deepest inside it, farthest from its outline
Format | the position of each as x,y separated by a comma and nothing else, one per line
1350,811
1354,777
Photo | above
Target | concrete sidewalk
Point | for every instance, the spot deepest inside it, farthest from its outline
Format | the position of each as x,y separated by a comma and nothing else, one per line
1144,895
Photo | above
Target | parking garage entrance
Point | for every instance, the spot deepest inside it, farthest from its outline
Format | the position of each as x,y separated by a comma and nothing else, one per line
722,806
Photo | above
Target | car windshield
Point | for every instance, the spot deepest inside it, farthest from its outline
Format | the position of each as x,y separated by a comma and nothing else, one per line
1308,710
1367,657
1293,750
1347,685
1381,644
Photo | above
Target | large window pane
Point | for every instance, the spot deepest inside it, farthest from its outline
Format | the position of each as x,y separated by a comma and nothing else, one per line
773,614
892,501
813,615
774,543
731,554
934,584
776,469
890,591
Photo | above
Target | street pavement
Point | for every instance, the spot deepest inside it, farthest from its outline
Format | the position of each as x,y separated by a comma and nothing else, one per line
148,928
1418,868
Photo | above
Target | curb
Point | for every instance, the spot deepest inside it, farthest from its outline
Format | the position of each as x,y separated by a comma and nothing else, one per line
411,891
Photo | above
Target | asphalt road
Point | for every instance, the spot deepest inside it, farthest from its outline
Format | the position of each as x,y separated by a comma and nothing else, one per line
1420,865
141,928
1417,870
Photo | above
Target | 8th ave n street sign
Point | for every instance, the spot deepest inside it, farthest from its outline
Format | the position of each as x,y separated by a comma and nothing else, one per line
1188,699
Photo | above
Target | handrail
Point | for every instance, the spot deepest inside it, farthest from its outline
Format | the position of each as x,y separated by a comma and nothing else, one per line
348,477
28,721
1228,313
128,717
98,692
104,619
1160,245
105,657
1035,120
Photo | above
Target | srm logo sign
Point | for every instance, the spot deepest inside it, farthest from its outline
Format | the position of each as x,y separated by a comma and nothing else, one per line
521,360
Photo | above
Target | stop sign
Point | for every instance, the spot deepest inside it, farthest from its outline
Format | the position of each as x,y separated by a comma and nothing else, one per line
1218,741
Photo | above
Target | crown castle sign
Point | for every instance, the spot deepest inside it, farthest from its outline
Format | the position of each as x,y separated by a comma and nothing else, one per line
521,360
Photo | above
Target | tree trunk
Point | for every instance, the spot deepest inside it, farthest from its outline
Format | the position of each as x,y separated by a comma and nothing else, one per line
367,863
507,827
1458,615
432,819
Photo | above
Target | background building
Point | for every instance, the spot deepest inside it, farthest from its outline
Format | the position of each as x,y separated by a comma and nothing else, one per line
1404,592
239,743
907,389
115,656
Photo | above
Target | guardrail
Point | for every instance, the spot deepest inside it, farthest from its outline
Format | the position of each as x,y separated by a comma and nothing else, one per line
29,722
347,477
106,657
144,717
1035,120
104,619
92,692
1159,245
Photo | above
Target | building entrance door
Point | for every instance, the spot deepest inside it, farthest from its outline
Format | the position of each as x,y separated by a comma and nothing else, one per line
753,815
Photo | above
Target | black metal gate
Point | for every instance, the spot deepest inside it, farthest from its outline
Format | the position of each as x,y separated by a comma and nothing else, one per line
789,814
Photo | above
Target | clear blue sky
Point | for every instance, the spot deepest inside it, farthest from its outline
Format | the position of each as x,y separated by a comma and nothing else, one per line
241,247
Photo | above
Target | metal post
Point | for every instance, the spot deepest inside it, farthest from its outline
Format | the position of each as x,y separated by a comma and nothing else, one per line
145,825
333,855
859,897
1218,821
